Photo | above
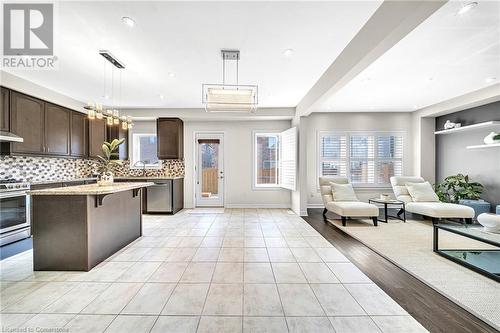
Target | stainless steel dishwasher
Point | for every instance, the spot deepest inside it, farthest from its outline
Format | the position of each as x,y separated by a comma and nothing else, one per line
159,197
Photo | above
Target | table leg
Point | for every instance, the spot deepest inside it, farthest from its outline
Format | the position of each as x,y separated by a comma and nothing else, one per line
435,239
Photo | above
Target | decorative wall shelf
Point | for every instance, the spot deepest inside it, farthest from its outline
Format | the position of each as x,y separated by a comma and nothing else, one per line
484,146
486,124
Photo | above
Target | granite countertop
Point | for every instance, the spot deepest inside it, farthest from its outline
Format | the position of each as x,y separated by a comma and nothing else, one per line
42,182
91,189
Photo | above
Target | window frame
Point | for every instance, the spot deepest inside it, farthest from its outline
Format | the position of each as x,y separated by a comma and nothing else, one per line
256,186
375,159
135,153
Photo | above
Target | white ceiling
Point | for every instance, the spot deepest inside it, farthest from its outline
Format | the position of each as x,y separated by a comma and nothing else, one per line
447,56
185,38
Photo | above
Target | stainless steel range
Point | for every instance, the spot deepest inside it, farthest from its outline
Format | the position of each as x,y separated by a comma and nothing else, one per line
14,211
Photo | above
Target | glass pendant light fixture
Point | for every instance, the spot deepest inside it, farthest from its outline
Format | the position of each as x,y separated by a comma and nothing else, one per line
112,116
230,97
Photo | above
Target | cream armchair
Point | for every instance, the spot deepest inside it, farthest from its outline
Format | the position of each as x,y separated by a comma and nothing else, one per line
435,209
344,208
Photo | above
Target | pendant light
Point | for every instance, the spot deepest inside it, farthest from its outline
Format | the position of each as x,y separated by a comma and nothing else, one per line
230,97
95,110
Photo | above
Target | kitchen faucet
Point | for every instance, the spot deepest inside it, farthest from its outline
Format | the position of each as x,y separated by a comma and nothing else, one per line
144,163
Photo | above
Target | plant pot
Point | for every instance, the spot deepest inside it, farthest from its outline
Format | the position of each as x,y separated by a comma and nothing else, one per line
105,179
479,206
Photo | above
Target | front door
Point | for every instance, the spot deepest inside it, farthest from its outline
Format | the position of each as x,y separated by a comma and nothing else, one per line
210,170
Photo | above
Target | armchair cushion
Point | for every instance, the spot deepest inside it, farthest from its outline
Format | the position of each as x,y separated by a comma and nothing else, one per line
399,186
343,192
326,188
352,208
422,192
440,209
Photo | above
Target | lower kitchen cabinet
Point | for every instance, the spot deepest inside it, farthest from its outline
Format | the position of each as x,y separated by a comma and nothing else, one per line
165,197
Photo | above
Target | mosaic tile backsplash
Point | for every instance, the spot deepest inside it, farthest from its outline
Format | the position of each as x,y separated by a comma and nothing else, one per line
39,169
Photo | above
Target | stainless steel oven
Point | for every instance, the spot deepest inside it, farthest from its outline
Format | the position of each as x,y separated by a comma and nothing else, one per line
14,212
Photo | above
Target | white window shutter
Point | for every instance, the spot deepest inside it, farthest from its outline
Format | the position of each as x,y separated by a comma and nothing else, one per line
288,160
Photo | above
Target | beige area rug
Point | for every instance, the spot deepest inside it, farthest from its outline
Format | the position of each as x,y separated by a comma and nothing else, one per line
409,245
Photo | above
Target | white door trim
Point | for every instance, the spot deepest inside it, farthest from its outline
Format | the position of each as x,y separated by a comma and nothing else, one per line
196,134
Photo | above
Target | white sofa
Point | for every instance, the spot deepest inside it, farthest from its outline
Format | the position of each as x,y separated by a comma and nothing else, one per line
344,208
435,210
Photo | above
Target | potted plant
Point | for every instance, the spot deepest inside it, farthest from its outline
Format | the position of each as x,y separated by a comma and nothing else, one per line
108,162
459,189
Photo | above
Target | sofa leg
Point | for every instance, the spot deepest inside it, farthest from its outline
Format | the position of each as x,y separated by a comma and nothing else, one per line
324,212
435,220
468,221
375,222
344,220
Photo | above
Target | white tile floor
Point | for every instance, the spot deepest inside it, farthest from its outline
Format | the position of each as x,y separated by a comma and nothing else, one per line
242,271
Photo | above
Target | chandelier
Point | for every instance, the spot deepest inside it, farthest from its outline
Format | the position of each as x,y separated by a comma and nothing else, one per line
112,115
230,97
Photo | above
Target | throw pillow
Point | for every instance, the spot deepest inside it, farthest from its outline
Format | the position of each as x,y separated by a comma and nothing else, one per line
343,192
422,192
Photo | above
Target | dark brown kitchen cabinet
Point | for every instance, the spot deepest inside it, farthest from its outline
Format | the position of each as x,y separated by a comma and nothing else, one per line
97,136
79,134
4,109
27,121
170,138
117,132
57,130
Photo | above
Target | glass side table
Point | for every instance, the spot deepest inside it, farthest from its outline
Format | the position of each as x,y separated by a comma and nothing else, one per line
388,204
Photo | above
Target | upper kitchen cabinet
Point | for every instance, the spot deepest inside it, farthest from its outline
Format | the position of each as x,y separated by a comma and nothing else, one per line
117,132
170,138
79,134
27,120
97,136
57,130
4,109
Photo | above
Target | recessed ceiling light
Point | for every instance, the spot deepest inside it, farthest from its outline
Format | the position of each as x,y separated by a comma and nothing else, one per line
288,52
491,79
106,96
171,74
465,8
415,107
161,97
128,21
430,79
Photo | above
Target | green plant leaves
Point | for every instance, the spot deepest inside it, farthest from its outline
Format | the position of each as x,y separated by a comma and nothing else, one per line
110,157
457,187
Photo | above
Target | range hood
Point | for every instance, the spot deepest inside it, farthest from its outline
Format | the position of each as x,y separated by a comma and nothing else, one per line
10,137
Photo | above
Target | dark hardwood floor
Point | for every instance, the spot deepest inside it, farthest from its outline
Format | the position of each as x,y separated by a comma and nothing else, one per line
431,309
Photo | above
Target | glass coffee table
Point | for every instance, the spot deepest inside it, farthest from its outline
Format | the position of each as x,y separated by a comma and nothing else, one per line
483,261
388,203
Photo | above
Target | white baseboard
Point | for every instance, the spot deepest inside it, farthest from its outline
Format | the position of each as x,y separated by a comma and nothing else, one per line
315,206
260,205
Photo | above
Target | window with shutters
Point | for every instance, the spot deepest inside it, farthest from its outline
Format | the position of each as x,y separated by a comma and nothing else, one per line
266,160
367,159
275,159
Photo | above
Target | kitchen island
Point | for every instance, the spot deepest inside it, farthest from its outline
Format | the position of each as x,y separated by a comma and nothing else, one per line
77,227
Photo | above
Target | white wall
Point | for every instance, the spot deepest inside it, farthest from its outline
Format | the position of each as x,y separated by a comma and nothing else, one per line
237,163
27,87
369,121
